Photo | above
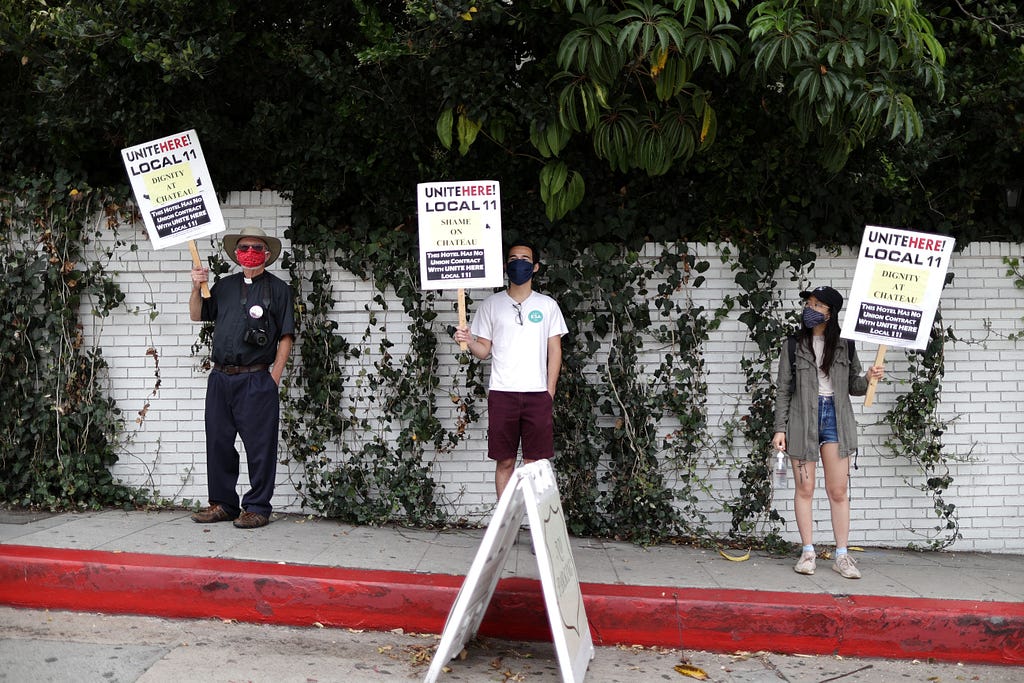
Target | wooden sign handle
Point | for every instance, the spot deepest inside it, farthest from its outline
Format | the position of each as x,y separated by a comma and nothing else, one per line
869,398
198,263
462,315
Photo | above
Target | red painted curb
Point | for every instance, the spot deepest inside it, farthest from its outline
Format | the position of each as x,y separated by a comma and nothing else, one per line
689,618
800,623
189,587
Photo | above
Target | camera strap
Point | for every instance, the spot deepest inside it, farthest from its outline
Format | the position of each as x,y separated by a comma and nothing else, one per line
266,295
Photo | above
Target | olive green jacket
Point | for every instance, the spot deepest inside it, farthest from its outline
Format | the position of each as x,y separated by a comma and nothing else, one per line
796,407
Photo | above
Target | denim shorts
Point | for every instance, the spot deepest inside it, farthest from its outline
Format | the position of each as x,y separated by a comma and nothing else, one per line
828,432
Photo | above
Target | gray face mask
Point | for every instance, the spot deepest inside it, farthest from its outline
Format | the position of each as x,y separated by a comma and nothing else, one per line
813,318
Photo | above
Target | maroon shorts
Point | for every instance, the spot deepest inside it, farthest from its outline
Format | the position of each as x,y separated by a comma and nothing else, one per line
513,416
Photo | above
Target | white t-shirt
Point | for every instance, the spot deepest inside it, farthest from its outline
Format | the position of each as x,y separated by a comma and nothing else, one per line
519,351
824,381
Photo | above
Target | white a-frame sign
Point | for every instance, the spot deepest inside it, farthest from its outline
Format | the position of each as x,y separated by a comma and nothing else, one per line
532,489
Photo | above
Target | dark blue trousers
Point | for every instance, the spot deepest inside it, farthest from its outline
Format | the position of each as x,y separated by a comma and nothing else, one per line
245,405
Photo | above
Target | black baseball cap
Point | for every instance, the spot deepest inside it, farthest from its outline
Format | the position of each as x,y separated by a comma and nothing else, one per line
827,296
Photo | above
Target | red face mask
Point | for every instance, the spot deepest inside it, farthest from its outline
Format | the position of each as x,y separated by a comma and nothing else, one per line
251,258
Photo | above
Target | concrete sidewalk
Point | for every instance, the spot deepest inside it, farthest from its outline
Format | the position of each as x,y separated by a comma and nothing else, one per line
302,571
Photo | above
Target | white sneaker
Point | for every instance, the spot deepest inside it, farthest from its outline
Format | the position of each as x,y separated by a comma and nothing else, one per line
805,565
846,566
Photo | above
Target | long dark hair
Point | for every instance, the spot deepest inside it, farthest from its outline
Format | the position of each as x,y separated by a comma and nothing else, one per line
832,332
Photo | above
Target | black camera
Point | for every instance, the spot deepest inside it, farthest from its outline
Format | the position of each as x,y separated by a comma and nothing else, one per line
257,336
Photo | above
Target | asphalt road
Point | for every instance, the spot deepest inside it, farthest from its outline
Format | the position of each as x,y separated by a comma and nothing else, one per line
40,646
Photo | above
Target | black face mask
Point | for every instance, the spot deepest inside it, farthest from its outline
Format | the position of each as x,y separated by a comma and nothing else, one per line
519,271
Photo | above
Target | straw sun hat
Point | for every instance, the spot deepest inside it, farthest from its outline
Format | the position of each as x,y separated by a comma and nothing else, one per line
273,244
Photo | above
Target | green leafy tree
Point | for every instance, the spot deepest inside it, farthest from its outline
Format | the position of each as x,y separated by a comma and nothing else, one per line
640,80
792,120
955,180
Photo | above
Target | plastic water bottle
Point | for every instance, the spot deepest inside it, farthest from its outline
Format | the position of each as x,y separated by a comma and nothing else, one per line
780,469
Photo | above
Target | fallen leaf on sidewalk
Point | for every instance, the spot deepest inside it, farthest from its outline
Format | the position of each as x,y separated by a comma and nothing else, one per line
691,671
420,654
735,558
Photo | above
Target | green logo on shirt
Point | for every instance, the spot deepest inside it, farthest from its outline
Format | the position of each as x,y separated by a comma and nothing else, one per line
535,316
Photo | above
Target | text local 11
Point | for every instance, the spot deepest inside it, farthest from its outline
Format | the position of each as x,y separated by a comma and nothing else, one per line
898,256
460,205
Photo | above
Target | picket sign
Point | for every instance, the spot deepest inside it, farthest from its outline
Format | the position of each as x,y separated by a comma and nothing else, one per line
896,289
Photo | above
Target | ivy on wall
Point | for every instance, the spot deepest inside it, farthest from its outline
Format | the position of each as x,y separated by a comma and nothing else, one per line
633,441
61,431
615,467
917,433
752,506
362,416
383,413
1016,275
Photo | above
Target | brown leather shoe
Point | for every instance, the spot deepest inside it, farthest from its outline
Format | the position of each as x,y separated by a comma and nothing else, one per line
251,520
214,513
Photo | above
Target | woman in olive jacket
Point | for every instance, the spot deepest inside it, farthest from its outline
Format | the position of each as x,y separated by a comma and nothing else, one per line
814,419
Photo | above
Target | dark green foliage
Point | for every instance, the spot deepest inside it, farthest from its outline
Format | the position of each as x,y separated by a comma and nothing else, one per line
339,104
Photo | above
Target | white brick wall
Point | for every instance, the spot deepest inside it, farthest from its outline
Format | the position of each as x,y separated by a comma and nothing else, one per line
983,391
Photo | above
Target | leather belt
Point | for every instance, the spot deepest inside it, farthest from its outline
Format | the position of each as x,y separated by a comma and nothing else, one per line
240,369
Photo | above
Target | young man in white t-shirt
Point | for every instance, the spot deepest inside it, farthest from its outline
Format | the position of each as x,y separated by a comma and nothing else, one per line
521,330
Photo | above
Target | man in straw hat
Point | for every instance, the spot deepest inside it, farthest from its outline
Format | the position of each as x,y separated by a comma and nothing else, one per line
254,327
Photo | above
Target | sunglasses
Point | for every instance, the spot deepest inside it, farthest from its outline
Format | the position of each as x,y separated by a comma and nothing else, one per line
258,248
519,313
